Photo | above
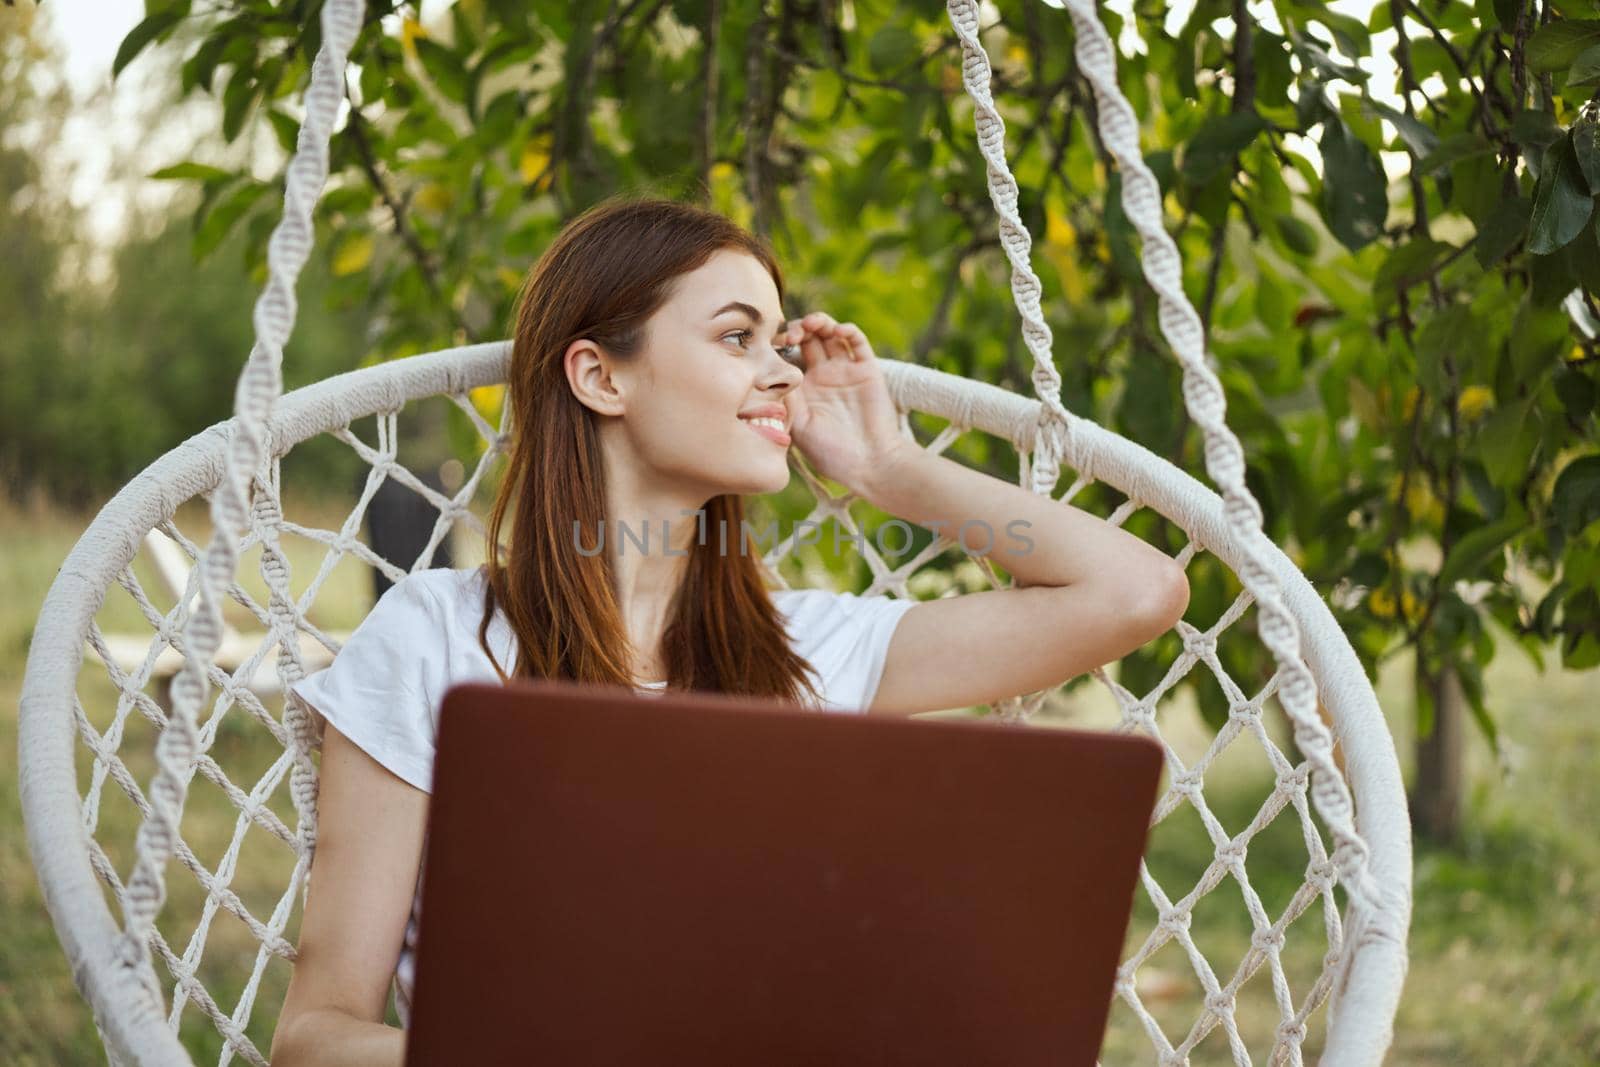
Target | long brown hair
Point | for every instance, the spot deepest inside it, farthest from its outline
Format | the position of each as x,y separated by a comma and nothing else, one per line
606,273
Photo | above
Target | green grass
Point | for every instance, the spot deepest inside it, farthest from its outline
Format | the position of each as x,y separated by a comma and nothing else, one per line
1505,964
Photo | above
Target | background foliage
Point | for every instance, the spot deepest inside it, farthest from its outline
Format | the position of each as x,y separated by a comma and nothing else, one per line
1397,279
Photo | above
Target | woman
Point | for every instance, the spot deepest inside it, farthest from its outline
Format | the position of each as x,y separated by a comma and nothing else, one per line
654,381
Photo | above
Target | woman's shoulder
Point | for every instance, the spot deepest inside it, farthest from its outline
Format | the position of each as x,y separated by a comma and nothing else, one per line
432,599
820,618
844,636
448,603
448,587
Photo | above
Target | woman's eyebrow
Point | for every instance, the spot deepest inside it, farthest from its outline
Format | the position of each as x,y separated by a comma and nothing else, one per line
743,308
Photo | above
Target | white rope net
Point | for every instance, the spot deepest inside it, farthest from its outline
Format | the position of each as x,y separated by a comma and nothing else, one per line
1232,987
247,748
232,796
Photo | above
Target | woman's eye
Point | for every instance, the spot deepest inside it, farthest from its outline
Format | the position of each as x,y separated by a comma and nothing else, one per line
743,335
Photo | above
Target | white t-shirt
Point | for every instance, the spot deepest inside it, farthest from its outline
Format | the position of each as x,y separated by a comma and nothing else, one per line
384,688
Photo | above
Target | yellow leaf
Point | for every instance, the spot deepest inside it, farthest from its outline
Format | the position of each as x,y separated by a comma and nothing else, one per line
1073,284
1058,231
1576,354
1381,603
488,400
435,197
1060,247
1422,504
721,172
354,254
1408,406
533,163
509,278
1474,401
1016,53
1364,403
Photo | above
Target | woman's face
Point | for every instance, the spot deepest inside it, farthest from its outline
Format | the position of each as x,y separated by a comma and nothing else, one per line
709,366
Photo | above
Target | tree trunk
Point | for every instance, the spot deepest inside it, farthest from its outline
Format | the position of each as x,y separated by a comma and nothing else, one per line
1436,797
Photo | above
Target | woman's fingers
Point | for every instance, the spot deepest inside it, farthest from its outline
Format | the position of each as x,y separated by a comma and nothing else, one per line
854,341
833,339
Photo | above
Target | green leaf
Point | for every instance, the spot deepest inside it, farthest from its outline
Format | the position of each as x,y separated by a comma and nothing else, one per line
191,171
146,32
1557,45
1452,150
1506,441
1535,131
1300,236
1273,305
237,99
1501,231
1355,196
506,50
1585,70
1539,335
1561,201
1576,496
1475,549
220,220
1349,33
891,48
1576,392
1420,140
286,129
1477,186
1586,144
1446,336
1217,142
1405,266
1580,651
199,68
1503,12
444,68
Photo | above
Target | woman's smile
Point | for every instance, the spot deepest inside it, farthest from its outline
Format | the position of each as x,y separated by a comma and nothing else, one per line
770,421
771,429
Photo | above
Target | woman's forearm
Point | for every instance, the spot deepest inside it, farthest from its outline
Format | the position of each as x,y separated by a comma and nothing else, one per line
1039,541
328,1038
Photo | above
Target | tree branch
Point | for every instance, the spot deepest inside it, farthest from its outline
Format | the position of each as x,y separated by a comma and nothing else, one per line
426,264
708,77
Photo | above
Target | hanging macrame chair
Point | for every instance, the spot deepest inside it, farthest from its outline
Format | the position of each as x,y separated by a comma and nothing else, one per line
1351,810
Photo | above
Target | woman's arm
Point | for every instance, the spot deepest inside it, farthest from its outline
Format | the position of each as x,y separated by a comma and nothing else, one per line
370,828
1085,593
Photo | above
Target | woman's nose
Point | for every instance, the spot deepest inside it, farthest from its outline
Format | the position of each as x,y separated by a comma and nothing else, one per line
783,374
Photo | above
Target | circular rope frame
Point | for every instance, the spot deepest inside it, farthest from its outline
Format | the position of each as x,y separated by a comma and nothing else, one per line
135,1028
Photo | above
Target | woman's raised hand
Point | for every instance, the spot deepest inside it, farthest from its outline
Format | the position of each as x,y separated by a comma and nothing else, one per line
842,416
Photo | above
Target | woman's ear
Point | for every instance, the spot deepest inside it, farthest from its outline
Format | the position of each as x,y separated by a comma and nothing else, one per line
590,376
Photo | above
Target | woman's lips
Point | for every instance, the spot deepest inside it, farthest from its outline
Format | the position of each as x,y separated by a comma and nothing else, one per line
771,433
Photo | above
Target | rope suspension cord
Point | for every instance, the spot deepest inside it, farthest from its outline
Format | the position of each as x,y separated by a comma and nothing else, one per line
1370,917
260,386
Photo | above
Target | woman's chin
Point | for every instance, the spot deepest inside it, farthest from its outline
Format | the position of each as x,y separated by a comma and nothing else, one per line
758,483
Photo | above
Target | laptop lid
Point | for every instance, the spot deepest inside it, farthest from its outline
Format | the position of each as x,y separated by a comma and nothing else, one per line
617,879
